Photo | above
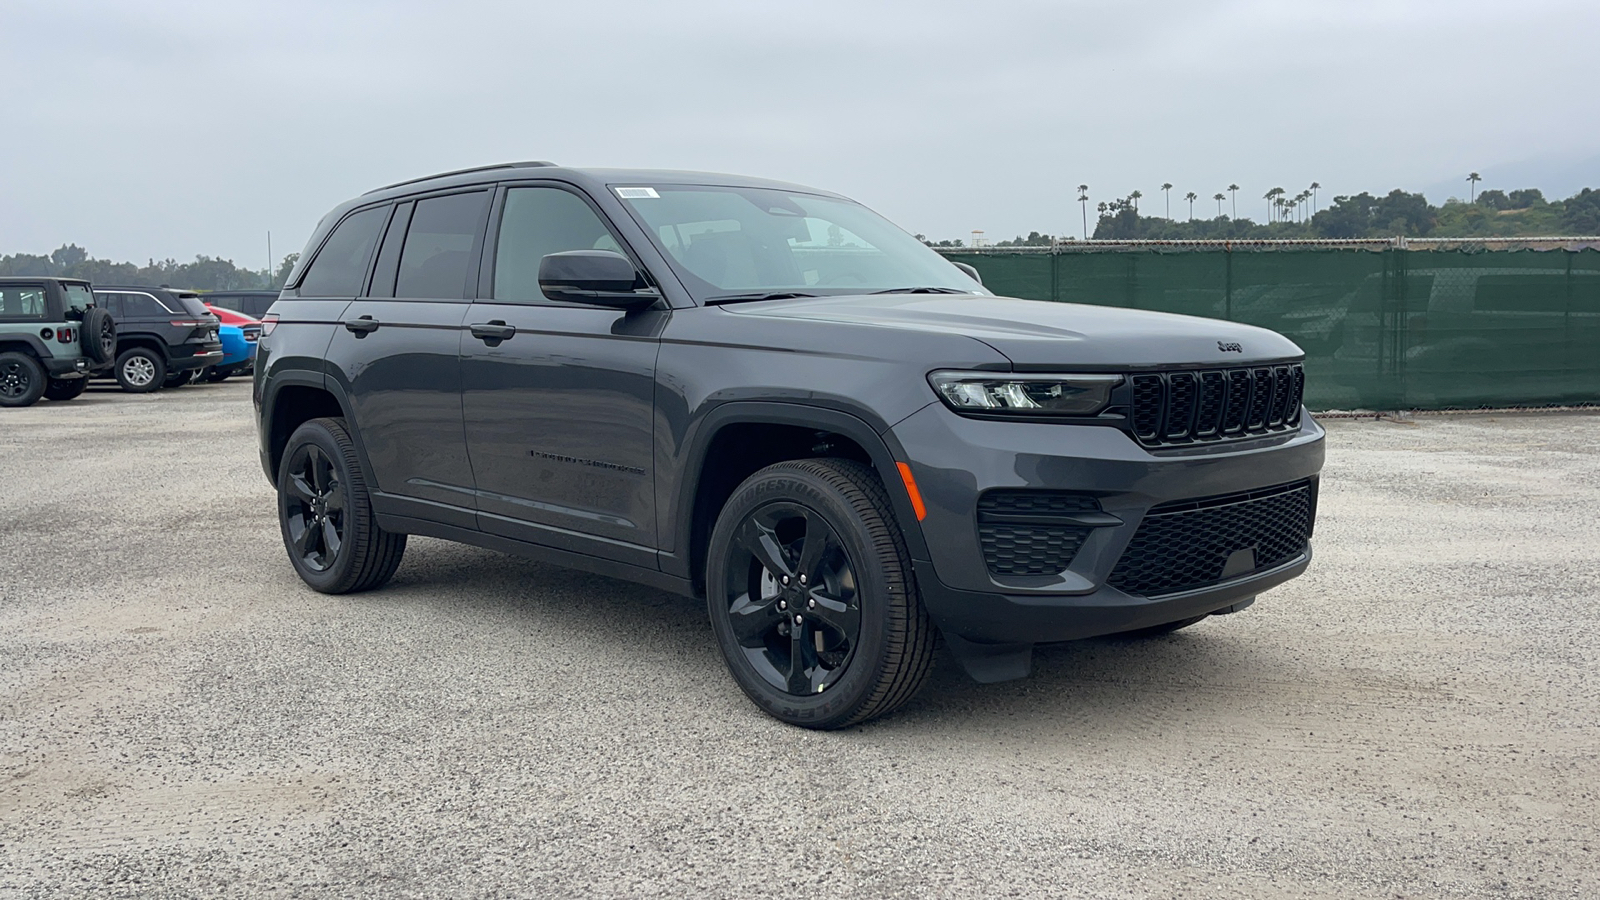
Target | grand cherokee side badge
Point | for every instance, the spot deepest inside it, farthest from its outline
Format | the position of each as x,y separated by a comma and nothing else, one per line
1229,347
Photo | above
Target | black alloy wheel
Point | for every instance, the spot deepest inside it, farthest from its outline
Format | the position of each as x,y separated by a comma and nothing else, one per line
22,379
314,512
796,612
812,598
325,513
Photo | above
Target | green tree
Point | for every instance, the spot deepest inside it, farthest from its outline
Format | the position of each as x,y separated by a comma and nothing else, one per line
1233,192
1166,188
1191,197
1472,186
1219,198
1580,213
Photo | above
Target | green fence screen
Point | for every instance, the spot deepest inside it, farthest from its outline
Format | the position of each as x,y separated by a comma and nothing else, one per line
1383,326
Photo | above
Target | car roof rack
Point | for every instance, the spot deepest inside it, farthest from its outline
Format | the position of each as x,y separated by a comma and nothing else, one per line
510,165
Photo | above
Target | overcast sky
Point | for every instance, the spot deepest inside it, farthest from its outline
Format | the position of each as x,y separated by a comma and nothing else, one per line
163,128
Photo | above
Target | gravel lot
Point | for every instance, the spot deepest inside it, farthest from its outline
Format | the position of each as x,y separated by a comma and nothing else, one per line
180,717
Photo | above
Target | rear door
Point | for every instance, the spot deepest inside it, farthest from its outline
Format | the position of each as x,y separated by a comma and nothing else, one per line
559,415
398,355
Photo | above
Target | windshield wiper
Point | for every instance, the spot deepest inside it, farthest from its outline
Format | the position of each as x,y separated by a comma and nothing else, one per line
923,290
751,298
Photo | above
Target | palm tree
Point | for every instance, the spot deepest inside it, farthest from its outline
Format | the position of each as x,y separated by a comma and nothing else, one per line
1233,190
1191,197
1219,198
1314,188
1135,198
1271,197
1167,188
1083,204
1472,187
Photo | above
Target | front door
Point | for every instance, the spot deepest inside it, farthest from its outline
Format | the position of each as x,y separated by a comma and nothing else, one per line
559,414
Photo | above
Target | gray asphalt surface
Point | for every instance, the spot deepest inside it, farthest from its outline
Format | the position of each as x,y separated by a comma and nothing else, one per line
180,717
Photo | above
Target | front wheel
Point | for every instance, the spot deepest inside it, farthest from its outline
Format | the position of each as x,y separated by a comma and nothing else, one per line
325,513
812,597
140,370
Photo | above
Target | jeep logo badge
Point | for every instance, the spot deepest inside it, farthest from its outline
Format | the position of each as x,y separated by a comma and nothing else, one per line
1229,347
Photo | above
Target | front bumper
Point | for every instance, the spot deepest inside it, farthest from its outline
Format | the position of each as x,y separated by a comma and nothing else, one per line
956,459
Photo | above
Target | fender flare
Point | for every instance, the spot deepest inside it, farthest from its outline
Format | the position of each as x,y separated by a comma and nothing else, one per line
31,341
881,448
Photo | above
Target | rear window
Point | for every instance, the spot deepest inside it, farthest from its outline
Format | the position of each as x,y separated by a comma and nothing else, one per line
78,296
193,305
341,266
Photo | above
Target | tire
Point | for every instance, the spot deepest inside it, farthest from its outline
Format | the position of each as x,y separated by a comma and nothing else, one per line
65,389
865,645
22,379
1159,630
216,377
98,336
140,370
178,379
321,489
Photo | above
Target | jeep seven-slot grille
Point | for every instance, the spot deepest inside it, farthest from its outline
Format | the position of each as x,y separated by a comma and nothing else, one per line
1216,404
1019,539
1188,544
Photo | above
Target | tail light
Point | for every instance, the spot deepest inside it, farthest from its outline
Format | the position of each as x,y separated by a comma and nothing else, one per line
185,323
64,335
268,323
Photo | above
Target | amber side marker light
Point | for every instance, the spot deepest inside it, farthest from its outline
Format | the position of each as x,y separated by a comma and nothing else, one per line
911,490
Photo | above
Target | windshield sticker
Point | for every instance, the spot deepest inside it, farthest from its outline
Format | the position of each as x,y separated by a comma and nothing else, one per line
638,193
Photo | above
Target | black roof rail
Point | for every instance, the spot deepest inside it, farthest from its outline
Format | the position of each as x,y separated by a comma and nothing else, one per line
510,165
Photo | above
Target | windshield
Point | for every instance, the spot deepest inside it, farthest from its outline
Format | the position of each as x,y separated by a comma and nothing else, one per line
727,242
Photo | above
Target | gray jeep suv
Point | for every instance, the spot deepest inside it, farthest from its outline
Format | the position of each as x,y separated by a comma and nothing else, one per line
770,397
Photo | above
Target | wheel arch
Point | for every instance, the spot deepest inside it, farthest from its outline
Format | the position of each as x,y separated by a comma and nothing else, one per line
739,438
10,343
141,341
295,400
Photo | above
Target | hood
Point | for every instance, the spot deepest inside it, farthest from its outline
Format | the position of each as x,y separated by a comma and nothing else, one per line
1040,333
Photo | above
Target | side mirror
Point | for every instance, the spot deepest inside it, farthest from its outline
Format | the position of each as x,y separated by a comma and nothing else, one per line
596,277
968,268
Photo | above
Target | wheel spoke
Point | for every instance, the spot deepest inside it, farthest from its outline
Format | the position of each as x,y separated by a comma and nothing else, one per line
799,682
762,543
752,618
838,613
330,541
314,469
298,487
814,547
335,499
306,540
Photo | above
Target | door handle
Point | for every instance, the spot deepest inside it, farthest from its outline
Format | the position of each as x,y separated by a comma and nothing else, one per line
493,331
361,327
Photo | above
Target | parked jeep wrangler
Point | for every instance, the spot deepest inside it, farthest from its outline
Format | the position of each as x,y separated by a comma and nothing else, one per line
769,397
52,337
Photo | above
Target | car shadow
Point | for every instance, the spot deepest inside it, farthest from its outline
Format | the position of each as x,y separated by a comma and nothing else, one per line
1099,684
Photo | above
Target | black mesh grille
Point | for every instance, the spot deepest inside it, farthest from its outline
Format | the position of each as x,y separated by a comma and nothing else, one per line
1185,545
1030,549
1030,544
1216,404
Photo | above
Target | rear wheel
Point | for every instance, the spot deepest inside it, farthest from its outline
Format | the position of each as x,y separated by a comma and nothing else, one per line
65,389
141,370
22,379
178,379
325,513
812,598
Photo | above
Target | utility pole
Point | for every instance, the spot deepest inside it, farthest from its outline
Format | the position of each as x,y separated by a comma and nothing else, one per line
269,258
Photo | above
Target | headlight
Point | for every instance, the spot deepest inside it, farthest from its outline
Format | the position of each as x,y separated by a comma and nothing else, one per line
1036,395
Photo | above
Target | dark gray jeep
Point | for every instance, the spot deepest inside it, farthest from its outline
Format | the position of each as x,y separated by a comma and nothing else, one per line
770,397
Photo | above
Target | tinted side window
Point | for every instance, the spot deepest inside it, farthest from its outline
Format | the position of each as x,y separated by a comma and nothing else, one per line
539,221
111,303
18,303
341,267
438,249
142,306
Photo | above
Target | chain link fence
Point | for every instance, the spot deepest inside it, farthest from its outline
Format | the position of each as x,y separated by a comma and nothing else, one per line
1386,324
